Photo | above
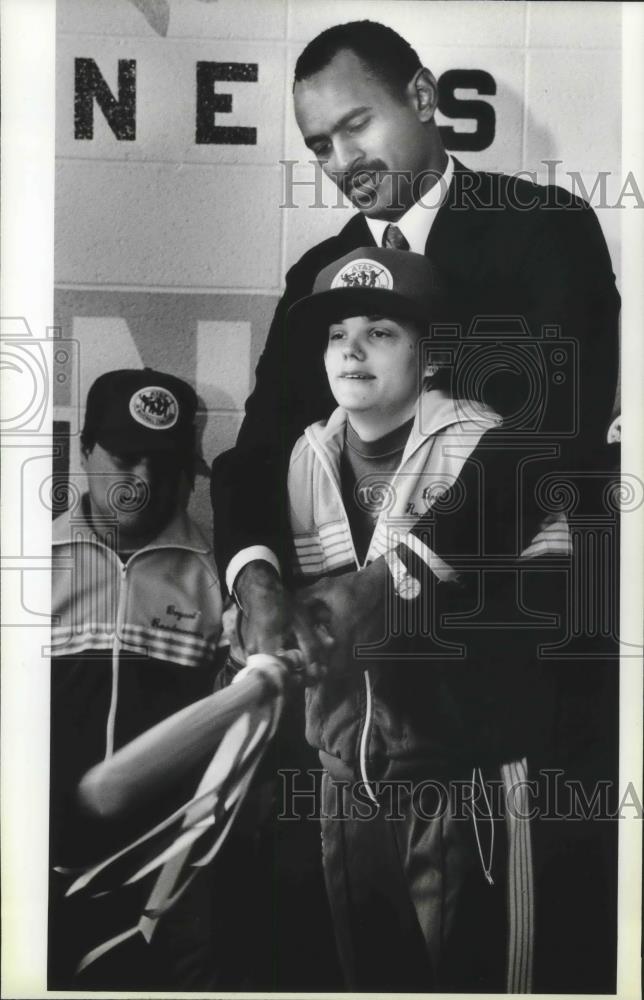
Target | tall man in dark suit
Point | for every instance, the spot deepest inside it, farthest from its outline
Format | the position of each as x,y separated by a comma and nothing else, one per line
506,248
535,301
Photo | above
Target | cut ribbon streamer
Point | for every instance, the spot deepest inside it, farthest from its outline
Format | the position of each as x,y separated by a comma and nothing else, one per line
213,809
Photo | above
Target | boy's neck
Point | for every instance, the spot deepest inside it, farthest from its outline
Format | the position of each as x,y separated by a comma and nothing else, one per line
113,535
373,426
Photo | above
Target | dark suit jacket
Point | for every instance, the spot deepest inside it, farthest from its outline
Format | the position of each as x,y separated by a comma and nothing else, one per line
529,257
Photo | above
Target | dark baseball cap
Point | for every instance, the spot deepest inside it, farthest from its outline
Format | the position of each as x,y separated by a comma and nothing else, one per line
139,410
372,281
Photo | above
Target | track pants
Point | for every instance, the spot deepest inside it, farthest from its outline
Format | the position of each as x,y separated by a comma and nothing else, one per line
411,906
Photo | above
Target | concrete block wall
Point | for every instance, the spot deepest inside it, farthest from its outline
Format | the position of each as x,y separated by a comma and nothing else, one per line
171,253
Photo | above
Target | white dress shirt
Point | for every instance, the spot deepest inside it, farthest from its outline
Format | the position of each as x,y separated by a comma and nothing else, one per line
417,221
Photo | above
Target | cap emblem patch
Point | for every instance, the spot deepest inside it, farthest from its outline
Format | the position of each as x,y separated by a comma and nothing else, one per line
363,273
155,408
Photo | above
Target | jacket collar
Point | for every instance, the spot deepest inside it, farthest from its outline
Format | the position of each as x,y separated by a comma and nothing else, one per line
469,193
436,411
181,532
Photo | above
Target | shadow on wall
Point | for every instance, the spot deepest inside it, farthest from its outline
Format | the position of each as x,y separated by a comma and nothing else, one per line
541,137
211,341
157,13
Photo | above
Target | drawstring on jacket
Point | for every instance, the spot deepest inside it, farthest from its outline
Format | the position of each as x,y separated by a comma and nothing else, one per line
364,738
487,869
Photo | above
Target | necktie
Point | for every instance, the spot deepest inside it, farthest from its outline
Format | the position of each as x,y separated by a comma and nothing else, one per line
393,239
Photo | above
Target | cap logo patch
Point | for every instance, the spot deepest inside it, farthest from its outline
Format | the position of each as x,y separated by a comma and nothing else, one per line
155,408
363,273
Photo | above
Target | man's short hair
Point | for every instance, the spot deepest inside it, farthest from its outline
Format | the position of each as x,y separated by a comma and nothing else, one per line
382,49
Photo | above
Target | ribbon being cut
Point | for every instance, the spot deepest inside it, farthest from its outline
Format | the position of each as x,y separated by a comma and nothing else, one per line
240,721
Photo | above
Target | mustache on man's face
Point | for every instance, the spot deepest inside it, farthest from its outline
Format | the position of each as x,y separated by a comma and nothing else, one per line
363,180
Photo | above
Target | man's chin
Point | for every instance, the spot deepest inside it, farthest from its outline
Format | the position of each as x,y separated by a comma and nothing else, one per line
380,200
368,203
132,528
376,207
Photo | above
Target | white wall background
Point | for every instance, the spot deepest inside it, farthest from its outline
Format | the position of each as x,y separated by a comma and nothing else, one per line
172,254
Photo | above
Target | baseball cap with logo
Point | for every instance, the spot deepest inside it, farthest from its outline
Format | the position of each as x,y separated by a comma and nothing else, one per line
371,281
138,411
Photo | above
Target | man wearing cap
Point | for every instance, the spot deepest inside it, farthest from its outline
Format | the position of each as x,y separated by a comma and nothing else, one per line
136,619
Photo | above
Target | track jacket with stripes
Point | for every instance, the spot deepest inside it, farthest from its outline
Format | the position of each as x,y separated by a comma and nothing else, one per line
454,680
132,642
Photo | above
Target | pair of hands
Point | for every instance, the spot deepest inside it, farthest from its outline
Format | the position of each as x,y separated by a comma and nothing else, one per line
324,621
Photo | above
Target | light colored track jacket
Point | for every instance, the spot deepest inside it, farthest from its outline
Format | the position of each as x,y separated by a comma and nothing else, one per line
426,700
131,644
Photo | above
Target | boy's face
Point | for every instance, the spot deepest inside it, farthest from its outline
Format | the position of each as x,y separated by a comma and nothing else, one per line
138,492
372,365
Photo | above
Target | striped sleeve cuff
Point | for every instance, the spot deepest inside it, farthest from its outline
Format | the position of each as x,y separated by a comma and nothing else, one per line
553,538
245,556
410,561
406,585
438,566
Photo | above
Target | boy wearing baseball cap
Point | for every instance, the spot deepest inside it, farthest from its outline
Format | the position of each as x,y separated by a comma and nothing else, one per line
406,471
136,621
139,431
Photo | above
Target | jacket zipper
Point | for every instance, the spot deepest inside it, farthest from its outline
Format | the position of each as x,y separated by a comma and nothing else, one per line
117,645
120,620
367,721
116,648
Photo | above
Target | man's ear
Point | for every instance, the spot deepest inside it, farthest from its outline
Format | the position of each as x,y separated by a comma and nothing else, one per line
84,455
422,89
